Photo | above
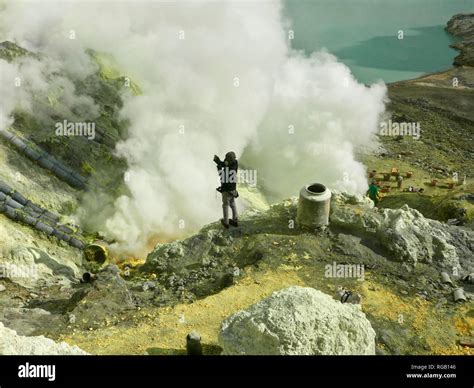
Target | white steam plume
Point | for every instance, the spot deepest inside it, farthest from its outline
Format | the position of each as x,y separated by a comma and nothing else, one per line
37,87
233,83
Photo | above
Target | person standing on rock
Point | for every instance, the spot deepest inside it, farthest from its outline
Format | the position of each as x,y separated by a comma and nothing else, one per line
399,181
373,192
228,176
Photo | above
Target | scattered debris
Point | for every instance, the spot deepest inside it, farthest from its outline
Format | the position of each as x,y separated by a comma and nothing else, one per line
458,295
445,278
469,278
346,296
467,341
149,285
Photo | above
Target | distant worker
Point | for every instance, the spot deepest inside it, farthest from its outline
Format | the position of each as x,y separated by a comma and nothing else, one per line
399,181
228,177
373,192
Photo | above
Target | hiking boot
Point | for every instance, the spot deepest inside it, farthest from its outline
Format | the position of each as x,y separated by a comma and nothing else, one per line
234,223
224,224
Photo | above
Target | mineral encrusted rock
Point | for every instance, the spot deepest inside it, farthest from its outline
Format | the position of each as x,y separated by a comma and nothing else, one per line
405,234
13,344
298,321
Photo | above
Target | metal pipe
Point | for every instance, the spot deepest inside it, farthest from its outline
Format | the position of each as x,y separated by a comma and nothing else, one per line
10,212
6,134
77,243
45,163
26,218
87,277
17,142
32,153
14,204
193,344
19,198
97,252
41,226
4,188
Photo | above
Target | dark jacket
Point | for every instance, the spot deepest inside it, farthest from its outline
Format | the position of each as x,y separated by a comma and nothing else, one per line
228,174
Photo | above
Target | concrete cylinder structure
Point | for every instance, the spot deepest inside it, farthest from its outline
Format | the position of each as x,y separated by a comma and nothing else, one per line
313,206
458,295
445,278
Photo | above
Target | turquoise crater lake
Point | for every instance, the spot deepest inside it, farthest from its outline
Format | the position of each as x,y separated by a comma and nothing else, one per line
363,34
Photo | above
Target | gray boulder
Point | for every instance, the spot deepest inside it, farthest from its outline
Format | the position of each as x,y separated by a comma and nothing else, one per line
298,321
100,301
31,267
26,321
405,234
202,264
13,344
413,238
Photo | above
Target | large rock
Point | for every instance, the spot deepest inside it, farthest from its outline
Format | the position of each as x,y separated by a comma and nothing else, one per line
298,321
462,25
405,234
26,321
413,238
32,267
13,344
102,300
203,264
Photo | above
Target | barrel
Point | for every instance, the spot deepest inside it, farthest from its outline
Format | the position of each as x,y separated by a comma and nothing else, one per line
313,206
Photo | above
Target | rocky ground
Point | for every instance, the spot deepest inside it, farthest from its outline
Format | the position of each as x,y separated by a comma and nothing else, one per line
461,26
148,306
